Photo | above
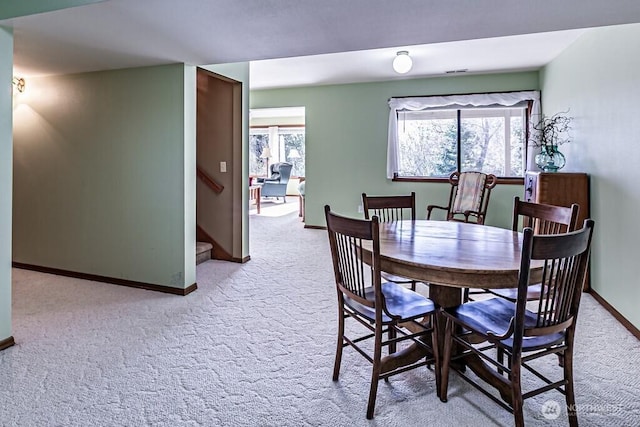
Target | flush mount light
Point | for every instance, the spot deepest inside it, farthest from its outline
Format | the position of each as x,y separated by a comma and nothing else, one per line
402,63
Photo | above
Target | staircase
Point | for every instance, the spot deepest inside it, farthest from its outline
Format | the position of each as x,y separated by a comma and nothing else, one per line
208,226
203,252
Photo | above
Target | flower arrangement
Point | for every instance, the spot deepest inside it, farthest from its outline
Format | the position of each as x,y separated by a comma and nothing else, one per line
551,131
547,135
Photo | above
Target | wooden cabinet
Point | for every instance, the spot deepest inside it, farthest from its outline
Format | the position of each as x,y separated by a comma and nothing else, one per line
560,189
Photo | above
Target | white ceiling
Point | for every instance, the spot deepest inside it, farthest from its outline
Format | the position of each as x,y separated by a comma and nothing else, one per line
510,53
130,33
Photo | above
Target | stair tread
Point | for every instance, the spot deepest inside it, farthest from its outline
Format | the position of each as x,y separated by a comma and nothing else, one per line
203,252
203,247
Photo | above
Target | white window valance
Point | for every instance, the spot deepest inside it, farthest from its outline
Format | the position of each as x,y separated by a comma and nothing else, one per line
506,99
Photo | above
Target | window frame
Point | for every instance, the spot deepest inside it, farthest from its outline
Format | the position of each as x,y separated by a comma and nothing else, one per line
464,101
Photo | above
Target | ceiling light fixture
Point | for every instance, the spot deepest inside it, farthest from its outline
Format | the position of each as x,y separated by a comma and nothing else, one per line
402,63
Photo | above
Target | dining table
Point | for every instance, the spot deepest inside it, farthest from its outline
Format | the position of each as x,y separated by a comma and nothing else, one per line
450,256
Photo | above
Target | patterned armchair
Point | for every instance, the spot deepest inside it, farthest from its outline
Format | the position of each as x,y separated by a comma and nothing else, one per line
276,184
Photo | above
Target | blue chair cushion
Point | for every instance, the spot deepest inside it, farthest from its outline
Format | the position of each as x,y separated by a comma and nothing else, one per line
400,301
494,315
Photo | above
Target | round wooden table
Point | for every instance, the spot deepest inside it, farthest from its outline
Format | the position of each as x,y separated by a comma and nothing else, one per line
450,256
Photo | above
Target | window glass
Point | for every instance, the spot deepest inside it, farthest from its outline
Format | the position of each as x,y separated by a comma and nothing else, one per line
286,144
518,149
292,143
428,143
258,140
492,140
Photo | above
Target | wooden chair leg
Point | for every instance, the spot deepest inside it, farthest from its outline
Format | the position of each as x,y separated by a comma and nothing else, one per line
392,335
516,393
375,374
500,357
340,346
436,351
569,391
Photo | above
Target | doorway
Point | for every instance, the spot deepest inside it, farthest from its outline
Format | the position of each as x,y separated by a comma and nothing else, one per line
218,155
276,136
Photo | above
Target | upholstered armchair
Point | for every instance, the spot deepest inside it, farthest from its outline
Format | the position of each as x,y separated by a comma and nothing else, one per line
276,184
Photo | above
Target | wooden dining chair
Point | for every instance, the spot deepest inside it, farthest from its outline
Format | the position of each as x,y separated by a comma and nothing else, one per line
543,219
388,209
468,202
468,198
380,308
522,334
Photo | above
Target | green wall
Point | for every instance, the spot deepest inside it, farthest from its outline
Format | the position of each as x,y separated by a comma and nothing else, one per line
597,79
346,140
6,71
104,174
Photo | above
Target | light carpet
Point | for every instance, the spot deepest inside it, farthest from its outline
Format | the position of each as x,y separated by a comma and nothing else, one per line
253,346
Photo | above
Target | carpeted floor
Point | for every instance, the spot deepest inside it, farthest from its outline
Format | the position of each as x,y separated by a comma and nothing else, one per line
253,346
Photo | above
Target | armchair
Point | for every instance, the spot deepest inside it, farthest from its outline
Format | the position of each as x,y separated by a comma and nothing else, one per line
276,184
469,197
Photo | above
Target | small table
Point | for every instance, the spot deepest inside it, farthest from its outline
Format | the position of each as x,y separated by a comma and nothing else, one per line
254,194
451,256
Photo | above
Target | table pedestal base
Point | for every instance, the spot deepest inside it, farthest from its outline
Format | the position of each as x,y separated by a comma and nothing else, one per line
445,297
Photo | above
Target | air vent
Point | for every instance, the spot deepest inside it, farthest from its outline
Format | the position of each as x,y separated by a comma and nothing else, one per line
462,70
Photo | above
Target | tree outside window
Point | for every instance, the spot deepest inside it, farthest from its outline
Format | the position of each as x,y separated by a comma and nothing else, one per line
491,141
257,144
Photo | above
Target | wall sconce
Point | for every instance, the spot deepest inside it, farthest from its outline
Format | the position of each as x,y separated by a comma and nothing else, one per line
19,83
402,63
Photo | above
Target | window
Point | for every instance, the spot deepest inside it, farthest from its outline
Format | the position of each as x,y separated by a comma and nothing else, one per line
435,136
257,142
276,135
491,141
286,144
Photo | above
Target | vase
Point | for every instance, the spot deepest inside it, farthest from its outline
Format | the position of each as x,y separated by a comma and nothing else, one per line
550,159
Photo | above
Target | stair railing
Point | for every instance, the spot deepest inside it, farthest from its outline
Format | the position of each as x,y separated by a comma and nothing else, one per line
210,182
